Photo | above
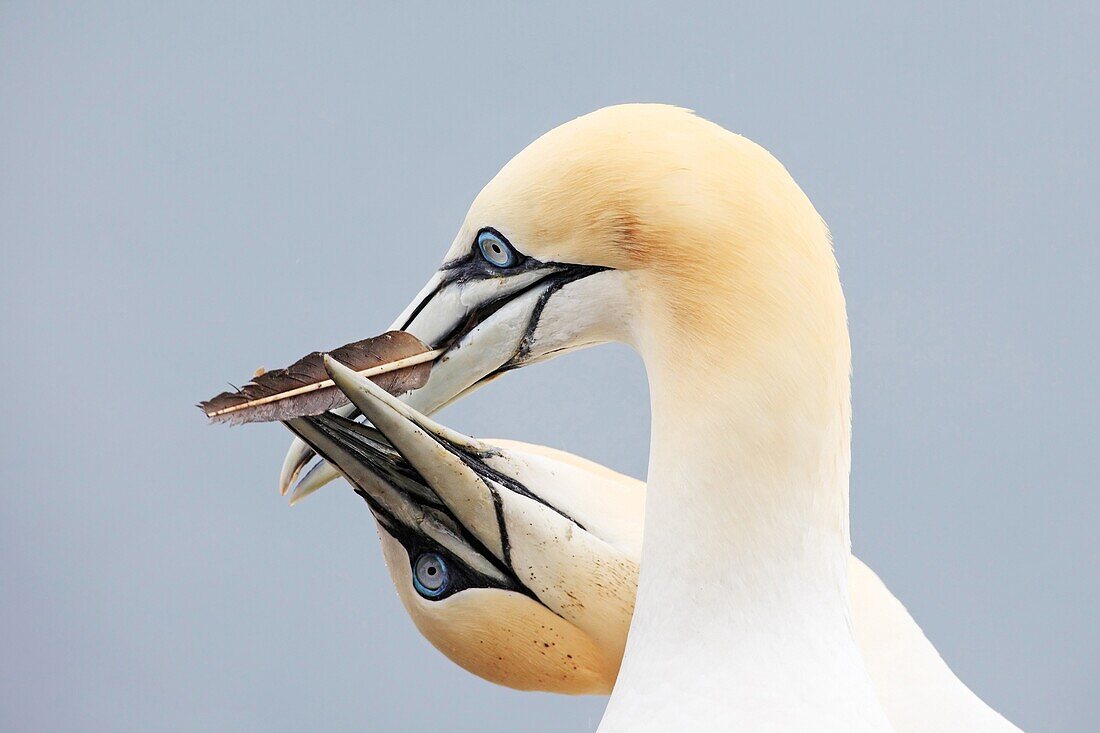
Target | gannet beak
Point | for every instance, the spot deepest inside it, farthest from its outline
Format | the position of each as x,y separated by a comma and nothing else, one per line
298,455
495,523
434,452
486,324
401,503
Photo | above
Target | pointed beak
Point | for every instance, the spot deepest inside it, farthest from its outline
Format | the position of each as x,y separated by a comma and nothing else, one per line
401,501
478,501
485,324
433,451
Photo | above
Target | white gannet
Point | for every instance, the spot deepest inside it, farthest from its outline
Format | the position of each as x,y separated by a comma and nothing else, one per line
647,225
533,633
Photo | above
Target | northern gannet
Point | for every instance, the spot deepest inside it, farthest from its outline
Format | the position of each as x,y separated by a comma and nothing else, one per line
536,631
648,225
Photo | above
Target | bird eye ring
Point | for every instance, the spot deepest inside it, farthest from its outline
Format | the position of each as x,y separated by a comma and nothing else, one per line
431,577
495,249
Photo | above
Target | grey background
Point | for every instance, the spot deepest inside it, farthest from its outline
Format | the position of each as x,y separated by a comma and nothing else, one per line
188,193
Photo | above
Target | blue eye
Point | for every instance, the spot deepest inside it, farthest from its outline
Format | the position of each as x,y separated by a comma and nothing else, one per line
495,250
430,575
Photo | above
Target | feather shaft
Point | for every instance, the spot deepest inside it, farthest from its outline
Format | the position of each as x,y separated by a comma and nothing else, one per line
393,366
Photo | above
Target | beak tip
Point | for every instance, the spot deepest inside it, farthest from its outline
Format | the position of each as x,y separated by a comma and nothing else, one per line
338,372
291,467
359,389
301,492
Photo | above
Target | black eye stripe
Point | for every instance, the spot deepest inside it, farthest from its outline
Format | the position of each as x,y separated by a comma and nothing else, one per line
358,440
472,266
460,575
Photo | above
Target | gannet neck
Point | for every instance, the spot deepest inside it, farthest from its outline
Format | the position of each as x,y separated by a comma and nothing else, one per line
742,613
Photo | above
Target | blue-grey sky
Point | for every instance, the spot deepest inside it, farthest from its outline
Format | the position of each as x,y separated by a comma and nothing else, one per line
189,192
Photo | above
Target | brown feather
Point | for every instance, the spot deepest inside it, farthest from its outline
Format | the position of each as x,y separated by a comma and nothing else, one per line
304,388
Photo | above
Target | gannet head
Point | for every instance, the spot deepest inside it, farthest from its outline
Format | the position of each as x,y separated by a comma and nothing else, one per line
520,568
648,225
